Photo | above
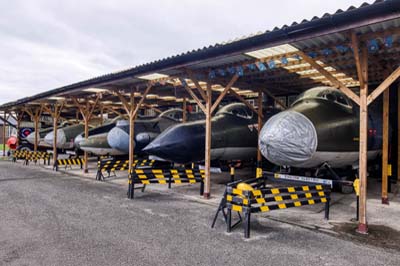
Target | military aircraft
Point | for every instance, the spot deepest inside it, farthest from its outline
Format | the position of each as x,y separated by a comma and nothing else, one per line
65,136
234,137
105,128
42,133
321,127
97,141
145,130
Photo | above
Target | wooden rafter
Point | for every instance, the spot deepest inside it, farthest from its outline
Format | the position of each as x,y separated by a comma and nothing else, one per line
355,45
196,83
279,102
195,98
136,109
385,84
240,98
224,92
335,82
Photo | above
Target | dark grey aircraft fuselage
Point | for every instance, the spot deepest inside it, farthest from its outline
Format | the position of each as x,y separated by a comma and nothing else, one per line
233,137
321,126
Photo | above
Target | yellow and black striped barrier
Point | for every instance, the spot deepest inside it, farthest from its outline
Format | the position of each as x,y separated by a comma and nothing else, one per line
164,176
249,197
37,156
19,155
112,165
69,162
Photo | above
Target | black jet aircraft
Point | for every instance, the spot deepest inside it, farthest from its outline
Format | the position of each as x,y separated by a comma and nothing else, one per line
234,137
321,126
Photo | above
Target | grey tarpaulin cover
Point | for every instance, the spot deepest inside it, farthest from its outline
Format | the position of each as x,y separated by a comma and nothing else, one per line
288,138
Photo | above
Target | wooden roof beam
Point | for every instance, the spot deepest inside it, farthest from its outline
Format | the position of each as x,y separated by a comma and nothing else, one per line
384,85
224,92
335,82
240,98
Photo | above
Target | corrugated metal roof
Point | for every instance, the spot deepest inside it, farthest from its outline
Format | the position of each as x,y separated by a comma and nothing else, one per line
317,31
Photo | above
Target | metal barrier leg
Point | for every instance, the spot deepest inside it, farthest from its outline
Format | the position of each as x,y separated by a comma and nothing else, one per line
358,207
131,189
98,175
221,207
247,224
201,188
169,180
327,209
229,220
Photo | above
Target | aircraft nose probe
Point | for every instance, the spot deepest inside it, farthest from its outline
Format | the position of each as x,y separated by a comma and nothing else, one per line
288,138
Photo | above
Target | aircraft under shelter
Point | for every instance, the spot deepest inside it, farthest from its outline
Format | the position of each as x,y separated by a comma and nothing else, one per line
354,52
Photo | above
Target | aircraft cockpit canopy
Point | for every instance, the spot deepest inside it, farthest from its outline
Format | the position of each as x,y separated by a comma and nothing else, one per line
237,109
173,114
325,93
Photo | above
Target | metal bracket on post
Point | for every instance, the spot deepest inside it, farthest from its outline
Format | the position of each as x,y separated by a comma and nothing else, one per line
232,172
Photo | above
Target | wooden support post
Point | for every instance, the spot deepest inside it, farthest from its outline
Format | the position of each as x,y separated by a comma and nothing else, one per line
55,113
55,123
85,153
385,146
35,115
259,125
184,116
207,165
398,133
4,133
131,132
86,112
101,115
36,123
20,115
363,148
132,110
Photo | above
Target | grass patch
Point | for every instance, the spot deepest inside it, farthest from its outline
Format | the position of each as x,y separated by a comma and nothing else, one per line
1,147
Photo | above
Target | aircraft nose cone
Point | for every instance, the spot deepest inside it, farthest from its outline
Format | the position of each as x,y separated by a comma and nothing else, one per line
31,138
61,138
288,138
180,144
78,140
118,139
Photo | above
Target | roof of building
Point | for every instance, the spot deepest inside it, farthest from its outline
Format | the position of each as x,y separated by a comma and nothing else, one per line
324,38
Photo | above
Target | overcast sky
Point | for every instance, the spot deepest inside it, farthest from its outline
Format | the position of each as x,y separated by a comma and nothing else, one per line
45,44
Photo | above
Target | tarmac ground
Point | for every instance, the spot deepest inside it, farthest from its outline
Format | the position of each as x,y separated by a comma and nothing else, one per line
69,218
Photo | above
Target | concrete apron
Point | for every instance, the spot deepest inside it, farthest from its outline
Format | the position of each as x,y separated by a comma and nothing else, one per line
381,218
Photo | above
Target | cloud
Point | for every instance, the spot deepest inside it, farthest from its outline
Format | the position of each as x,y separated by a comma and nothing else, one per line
47,44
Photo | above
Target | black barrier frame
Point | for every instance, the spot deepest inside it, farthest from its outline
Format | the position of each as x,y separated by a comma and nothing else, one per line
67,163
167,173
245,205
111,165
